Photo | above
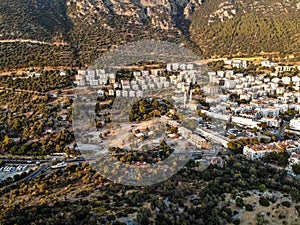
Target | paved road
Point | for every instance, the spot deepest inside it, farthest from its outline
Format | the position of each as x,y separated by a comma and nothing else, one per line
43,167
35,161
22,161
213,136
30,176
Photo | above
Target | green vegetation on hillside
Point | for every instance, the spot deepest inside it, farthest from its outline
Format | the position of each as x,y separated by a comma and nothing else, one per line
24,118
32,19
148,108
48,80
79,195
158,153
25,55
254,29
270,26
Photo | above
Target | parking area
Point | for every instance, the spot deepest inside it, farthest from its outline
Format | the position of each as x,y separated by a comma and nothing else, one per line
11,170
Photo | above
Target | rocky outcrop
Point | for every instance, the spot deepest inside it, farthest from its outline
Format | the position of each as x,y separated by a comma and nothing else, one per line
162,14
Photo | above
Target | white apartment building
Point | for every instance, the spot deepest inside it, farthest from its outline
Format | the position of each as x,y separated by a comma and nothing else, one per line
271,121
182,66
132,94
270,111
125,84
190,66
111,92
163,79
295,124
294,158
267,64
125,93
145,73
295,79
100,92
230,84
244,121
260,150
286,80
145,87
229,73
280,90
220,73
94,82
91,73
166,84
118,93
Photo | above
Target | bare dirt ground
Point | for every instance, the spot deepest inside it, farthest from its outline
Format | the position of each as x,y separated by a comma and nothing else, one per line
271,213
122,137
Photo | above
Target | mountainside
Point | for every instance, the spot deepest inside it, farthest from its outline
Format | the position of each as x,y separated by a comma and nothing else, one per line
163,14
99,24
247,27
90,27
45,19
33,19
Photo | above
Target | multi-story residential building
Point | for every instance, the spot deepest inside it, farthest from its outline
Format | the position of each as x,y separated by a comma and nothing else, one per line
118,93
111,92
271,111
125,93
132,94
198,141
294,158
166,84
163,79
145,73
190,66
229,84
244,121
100,92
271,121
94,82
260,150
295,124
221,73
286,80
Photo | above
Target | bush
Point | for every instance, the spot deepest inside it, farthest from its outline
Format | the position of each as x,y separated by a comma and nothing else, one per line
262,188
296,168
237,221
239,202
264,202
249,207
281,216
286,204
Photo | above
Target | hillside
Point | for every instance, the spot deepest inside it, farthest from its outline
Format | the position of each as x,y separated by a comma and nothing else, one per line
246,27
32,19
91,27
100,24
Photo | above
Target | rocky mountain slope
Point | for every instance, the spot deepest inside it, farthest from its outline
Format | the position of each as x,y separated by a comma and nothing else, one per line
210,27
45,18
163,14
